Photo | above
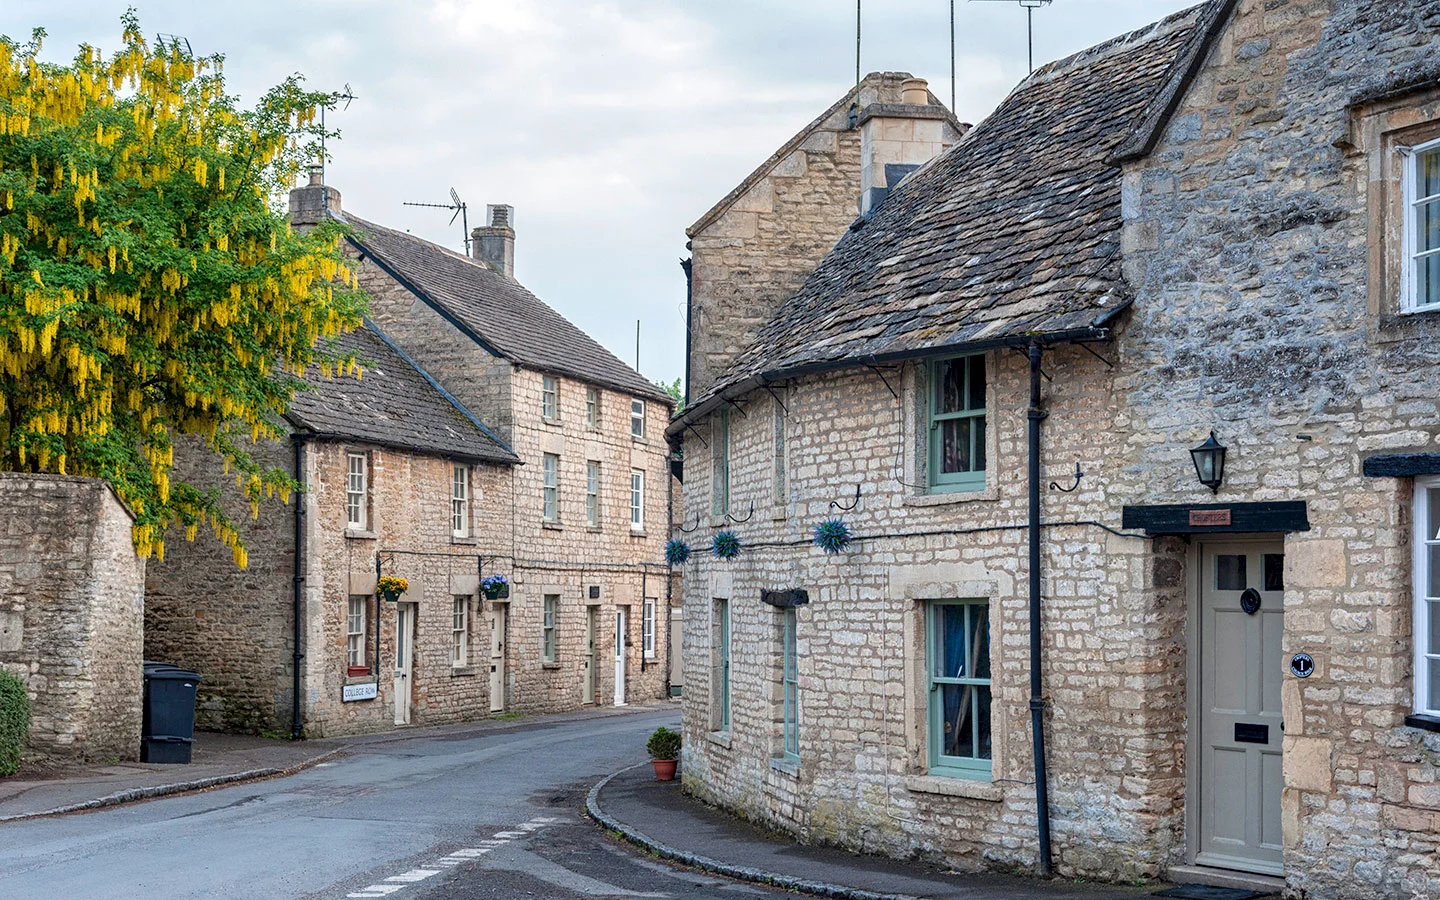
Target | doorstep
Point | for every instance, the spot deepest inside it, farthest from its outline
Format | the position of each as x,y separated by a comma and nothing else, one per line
1265,884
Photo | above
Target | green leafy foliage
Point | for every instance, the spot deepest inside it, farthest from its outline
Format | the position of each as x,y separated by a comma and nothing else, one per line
14,721
663,744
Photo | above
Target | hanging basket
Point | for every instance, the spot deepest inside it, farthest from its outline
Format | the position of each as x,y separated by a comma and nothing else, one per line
677,552
390,587
726,544
832,535
495,587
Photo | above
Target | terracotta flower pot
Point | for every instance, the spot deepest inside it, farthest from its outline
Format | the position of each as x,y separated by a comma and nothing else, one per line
664,769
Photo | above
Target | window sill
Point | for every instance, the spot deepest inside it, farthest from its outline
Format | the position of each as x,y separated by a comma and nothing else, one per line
1423,721
650,656
462,671
944,786
355,534
469,539
785,766
719,738
552,526
947,498
638,440
638,533
551,665
594,529
779,514
553,423
361,679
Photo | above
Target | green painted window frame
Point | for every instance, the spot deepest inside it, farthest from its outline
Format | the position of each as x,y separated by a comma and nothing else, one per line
550,604
789,686
722,613
973,480
720,463
940,764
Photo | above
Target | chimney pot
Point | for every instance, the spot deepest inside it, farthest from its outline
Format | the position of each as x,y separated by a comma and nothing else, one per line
317,173
915,92
494,243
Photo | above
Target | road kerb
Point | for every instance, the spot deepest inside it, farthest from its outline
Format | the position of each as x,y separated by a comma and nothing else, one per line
705,863
135,795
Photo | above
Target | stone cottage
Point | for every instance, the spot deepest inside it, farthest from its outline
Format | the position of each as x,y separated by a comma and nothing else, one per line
396,473
588,617
1058,637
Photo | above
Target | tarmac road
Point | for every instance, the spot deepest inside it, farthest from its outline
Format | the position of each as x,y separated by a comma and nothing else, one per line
492,815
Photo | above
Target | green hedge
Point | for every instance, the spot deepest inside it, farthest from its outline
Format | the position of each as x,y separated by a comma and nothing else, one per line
14,721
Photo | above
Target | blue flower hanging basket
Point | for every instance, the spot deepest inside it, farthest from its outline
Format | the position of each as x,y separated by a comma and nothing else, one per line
726,545
832,535
677,552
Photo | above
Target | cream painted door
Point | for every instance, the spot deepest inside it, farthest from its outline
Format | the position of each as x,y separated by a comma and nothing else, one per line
404,660
591,614
620,617
1241,621
497,657
677,643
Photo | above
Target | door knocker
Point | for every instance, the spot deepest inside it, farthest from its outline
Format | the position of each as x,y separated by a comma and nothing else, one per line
1250,601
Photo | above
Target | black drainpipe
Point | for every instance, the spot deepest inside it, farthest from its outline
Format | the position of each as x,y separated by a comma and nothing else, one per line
299,445
1037,704
688,265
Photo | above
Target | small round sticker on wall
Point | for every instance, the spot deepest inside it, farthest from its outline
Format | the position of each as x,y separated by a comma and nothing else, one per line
1302,665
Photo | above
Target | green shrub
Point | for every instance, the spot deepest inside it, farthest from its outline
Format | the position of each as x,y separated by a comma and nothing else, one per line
663,744
14,721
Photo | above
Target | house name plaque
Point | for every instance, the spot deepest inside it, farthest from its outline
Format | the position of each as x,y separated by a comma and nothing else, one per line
1209,517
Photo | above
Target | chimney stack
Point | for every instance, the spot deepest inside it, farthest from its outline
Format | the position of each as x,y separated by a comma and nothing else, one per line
494,244
896,138
309,203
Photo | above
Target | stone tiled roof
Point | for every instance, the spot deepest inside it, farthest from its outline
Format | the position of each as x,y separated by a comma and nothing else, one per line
394,404
1013,233
495,311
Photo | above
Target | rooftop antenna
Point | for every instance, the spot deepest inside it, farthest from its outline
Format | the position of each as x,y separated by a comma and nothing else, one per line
855,107
1029,6
174,41
459,207
952,57
335,97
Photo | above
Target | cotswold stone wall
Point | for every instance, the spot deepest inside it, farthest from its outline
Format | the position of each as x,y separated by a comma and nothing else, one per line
410,526
231,625
71,613
1114,613
568,556
1260,241
757,252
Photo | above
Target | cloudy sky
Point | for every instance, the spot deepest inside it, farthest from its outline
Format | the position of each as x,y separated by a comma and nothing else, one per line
610,125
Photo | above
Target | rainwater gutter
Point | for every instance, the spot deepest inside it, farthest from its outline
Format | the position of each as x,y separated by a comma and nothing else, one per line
298,443
1037,415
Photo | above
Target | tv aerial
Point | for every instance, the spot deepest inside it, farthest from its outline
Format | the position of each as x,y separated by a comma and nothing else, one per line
169,43
460,213
1029,6
348,95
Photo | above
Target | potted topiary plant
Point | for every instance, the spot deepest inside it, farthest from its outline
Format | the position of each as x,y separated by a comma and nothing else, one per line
495,586
664,750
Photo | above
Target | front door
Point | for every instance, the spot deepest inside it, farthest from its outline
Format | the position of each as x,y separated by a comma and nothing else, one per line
404,660
620,617
591,613
1241,622
497,657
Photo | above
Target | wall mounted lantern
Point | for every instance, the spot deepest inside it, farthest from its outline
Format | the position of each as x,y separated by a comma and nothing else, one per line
1209,459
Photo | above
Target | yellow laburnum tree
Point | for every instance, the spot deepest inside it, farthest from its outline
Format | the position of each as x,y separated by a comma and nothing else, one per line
150,286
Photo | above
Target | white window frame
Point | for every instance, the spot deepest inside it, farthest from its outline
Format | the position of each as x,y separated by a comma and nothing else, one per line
460,501
550,488
550,397
647,627
1409,297
592,493
637,499
592,408
357,491
549,607
1425,604
355,643
460,632
637,418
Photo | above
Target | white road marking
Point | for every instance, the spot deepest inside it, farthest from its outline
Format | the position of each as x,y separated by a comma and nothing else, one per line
454,858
